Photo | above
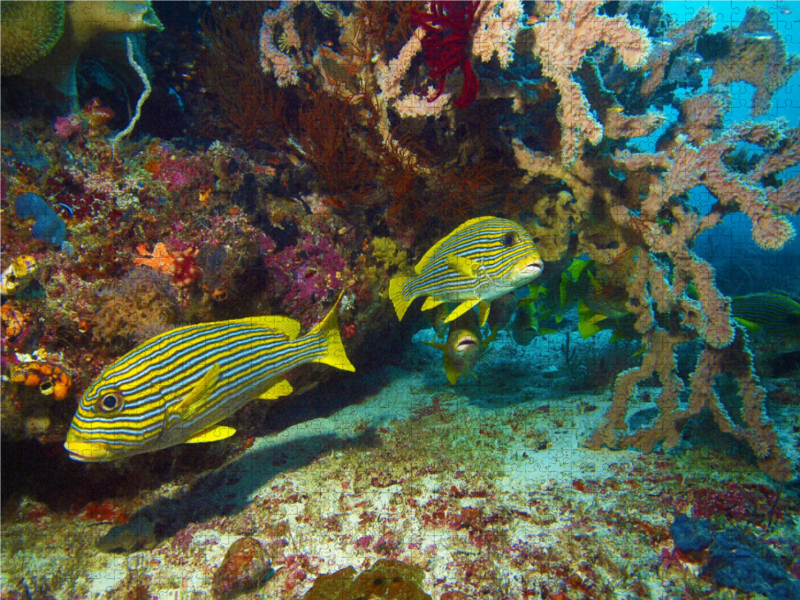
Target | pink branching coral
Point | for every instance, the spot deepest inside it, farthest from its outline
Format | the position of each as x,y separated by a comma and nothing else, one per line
757,56
445,46
562,41
654,230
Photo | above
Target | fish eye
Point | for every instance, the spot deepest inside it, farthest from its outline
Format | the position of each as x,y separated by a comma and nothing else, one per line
46,388
110,402
509,239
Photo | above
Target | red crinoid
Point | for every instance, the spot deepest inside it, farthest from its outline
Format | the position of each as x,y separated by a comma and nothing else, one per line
445,47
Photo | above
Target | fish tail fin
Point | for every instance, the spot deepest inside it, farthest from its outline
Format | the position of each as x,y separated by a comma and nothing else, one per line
399,299
334,355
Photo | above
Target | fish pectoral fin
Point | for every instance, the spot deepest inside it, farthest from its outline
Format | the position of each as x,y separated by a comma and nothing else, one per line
483,312
464,266
450,370
430,302
215,433
748,324
461,309
197,398
277,390
438,346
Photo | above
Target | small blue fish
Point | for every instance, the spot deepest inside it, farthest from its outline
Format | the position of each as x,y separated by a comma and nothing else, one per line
176,387
479,261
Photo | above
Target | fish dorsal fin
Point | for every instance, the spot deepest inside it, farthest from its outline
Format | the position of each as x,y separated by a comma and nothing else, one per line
430,302
426,258
215,433
277,390
197,398
461,309
464,266
483,312
288,327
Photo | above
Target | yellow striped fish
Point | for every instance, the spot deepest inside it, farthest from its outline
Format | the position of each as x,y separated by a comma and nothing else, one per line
776,314
463,348
479,261
177,386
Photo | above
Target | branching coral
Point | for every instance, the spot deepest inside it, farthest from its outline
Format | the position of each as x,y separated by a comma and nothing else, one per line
445,47
647,213
562,41
756,428
680,38
273,60
757,56
328,136
251,110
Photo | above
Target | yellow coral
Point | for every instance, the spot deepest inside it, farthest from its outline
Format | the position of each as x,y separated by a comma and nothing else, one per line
85,21
30,30
385,250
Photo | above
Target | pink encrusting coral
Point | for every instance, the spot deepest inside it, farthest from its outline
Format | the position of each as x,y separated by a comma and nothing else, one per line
306,275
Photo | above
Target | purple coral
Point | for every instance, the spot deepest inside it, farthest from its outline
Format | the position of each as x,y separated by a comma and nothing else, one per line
306,275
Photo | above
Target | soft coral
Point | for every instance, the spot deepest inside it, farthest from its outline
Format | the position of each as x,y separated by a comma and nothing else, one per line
445,46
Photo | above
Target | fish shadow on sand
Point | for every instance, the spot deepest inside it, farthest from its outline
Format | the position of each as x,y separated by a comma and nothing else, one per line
227,490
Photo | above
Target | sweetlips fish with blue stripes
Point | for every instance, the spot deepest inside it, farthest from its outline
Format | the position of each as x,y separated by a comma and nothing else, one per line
176,387
479,261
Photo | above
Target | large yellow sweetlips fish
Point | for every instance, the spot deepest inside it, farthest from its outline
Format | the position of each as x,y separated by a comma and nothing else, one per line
479,261
176,387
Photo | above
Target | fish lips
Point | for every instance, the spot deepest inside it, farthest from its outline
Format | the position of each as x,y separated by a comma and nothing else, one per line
85,451
533,268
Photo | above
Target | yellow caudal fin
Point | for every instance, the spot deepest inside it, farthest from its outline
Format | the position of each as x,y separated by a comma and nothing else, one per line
401,303
334,349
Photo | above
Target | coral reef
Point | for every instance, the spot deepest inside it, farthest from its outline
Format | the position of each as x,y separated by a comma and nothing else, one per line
562,41
756,55
320,148
139,306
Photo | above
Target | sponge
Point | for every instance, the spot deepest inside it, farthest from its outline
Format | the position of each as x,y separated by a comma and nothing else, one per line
48,227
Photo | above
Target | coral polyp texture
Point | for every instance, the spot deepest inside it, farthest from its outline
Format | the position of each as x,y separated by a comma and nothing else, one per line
584,212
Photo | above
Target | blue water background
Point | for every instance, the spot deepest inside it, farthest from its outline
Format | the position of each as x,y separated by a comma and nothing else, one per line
742,267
